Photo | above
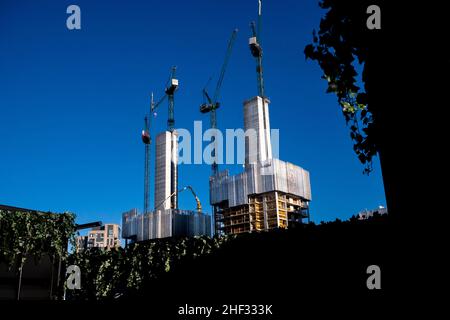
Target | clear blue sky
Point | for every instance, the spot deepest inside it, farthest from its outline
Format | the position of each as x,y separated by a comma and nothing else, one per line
72,102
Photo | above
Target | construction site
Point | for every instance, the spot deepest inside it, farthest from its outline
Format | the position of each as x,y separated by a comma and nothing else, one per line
268,194
166,219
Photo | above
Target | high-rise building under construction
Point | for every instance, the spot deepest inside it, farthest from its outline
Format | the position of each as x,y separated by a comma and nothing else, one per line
166,220
270,193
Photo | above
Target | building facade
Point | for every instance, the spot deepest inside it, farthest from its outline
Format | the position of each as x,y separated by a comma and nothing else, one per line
106,236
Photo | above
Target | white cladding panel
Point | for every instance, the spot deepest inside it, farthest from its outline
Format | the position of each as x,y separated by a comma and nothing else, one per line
271,175
166,223
166,153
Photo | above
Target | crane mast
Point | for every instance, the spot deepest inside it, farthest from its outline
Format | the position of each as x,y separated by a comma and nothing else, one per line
256,50
170,91
146,140
171,87
212,104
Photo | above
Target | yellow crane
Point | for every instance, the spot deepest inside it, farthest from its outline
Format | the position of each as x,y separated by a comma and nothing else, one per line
197,200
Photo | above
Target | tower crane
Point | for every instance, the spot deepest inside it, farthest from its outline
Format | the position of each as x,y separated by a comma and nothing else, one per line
170,91
256,50
197,200
171,87
211,104
147,141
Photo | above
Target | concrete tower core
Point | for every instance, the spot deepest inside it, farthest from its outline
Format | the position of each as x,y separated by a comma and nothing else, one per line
166,175
256,117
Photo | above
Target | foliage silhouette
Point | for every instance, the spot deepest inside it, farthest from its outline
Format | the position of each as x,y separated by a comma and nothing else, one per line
108,274
178,268
25,234
341,42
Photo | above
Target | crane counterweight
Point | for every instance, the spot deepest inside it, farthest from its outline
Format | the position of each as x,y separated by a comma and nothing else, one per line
146,137
255,48
173,86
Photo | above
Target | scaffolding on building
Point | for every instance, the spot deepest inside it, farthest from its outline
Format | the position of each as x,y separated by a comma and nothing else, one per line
268,195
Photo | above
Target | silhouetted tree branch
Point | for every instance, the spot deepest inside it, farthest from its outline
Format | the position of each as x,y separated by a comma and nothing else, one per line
337,46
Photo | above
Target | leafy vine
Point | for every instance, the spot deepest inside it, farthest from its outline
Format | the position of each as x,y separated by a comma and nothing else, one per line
108,274
25,234
335,47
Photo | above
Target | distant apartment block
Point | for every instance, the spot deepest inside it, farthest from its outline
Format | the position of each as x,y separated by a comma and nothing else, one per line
106,236
366,214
